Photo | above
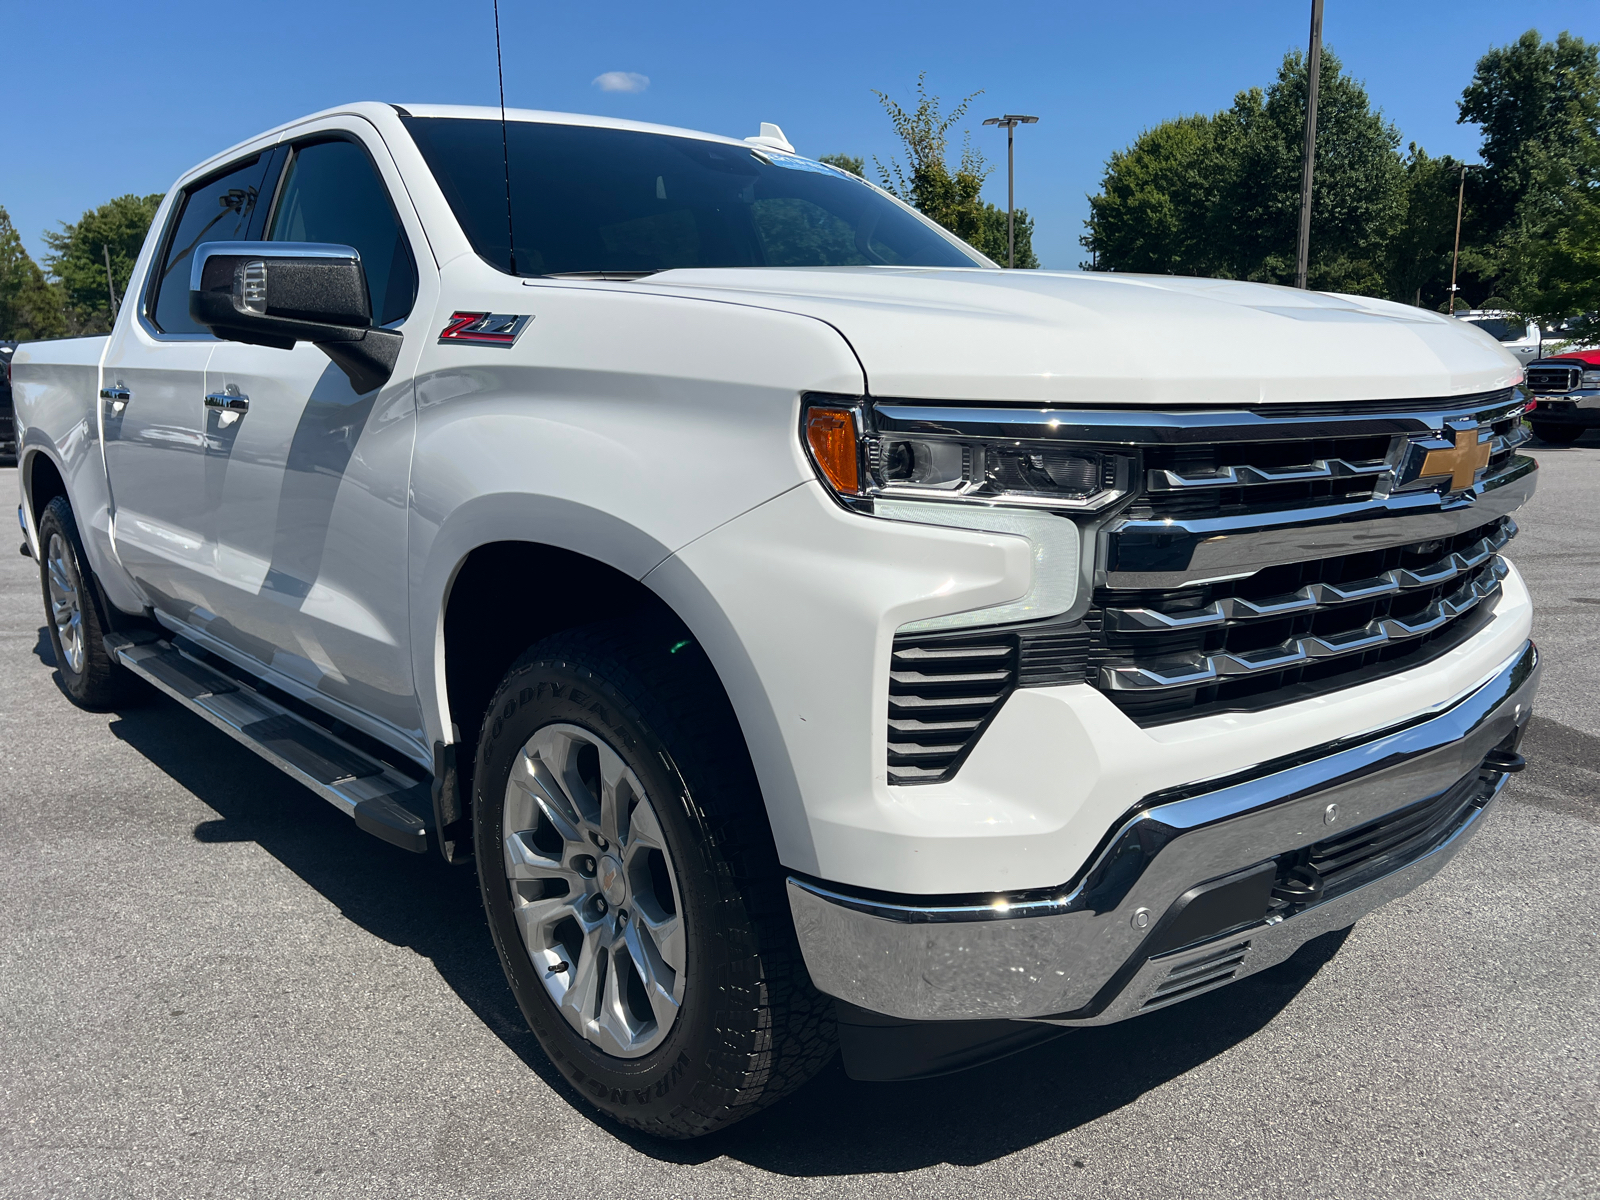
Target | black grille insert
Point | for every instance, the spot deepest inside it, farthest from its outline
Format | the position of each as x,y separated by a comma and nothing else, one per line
943,690
1389,843
1330,623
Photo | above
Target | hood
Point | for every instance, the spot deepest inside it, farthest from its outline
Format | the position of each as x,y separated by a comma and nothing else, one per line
1093,338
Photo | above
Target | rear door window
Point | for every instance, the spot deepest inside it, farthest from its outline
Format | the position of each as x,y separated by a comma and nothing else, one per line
332,193
221,209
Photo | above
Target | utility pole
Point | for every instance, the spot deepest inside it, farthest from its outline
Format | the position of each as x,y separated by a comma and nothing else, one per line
1302,258
111,288
1455,255
1009,123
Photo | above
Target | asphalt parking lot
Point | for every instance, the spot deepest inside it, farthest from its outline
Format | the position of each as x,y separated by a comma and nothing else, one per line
212,984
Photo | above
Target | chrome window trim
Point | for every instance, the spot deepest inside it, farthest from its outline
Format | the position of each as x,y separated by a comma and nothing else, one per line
174,214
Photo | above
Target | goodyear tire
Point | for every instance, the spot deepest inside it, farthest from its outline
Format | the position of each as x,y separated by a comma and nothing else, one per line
650,949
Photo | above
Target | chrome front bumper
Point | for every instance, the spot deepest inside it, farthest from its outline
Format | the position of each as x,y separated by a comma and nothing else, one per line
1094,951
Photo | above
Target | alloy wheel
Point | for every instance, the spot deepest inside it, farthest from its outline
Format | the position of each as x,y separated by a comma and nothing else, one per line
593,890
66,607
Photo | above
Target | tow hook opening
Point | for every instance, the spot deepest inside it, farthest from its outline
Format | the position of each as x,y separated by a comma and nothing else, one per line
1504,762
1298,885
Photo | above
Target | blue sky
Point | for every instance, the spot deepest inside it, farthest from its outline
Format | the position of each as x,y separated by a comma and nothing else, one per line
102,99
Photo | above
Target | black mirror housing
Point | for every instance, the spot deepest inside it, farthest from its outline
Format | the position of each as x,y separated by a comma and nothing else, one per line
279,293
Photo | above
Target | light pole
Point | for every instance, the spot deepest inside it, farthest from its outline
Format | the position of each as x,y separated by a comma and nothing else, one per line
1302,258
1455,255
1009,123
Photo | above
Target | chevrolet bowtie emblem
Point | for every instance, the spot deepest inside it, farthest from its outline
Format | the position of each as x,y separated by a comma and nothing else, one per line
1463,460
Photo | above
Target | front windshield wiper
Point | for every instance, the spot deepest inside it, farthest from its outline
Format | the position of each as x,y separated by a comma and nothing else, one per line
596,275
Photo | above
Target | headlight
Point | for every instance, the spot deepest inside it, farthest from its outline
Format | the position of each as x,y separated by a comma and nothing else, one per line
1589,379
861,462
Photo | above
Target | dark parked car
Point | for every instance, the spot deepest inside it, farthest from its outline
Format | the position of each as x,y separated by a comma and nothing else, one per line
8,419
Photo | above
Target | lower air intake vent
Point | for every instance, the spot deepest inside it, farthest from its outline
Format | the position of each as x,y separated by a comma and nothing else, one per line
1389,843
943,690
1198,975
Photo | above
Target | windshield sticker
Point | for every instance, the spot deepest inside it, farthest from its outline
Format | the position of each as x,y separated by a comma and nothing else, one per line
793,162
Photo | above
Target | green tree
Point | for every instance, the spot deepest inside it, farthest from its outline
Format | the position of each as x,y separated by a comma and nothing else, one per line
1533,226
953,198
1420,245
1536,103
1356,193
30,309
1547,260
78,257
846,162
1154,209
1220,195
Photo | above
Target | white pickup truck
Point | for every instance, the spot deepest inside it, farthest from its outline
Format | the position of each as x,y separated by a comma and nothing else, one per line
817,636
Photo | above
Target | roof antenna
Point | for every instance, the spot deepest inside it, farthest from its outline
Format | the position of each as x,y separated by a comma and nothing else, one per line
505,152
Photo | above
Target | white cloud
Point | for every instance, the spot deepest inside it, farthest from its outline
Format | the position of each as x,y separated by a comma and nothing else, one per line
622,81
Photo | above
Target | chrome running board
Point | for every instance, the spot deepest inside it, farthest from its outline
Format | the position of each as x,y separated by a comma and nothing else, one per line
382,800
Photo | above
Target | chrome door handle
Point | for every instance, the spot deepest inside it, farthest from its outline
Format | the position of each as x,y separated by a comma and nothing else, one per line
228,401
119,397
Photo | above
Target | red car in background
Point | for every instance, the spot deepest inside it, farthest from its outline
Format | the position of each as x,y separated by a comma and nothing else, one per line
1566,395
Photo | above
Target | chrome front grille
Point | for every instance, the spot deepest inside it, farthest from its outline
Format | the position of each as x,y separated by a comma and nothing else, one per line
1243,643
1554,380
1234,478
1264,556
942,691
1218,478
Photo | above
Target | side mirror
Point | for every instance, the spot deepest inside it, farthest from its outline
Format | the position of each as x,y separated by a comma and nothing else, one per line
279,293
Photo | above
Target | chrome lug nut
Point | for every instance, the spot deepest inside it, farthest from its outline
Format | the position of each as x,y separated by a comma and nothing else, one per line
1141,918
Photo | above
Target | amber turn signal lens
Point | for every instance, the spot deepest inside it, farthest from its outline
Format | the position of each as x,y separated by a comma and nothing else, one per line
831,434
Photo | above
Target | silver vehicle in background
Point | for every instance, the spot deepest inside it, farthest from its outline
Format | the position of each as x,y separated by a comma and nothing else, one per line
1516,334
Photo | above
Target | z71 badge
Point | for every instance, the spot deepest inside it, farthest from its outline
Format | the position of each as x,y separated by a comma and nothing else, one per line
484,329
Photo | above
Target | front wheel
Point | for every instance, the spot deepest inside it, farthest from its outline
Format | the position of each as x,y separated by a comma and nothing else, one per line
1557,435
632,886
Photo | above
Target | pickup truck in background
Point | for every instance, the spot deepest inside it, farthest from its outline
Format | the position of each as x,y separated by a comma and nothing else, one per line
1521,337
1566,396
818,637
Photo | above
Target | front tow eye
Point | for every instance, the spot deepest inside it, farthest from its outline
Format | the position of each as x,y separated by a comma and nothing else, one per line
1298,885
1505,762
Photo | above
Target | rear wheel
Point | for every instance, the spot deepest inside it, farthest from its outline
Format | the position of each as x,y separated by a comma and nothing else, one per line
632,886
89,675
1557,435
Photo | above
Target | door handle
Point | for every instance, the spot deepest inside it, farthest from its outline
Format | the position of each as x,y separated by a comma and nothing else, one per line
228,401
119,397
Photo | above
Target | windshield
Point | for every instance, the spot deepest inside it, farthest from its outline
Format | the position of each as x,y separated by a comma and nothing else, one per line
1502,329
586,199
